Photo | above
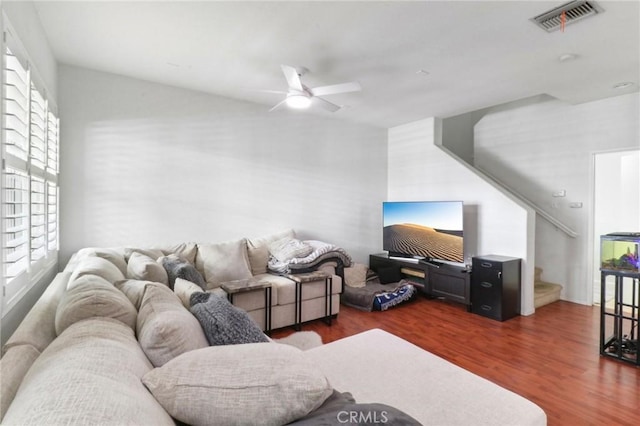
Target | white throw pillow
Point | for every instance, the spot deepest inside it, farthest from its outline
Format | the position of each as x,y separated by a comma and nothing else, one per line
265,383
144,268
356,275
222,262
134,290
165,328
152,253
184,289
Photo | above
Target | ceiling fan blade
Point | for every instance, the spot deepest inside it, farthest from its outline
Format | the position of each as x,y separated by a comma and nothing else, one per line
293,79
352,86
278,105
324,104
279,92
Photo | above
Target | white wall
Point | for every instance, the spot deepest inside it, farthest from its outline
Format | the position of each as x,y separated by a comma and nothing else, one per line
544,145
144,163
493,223
26,23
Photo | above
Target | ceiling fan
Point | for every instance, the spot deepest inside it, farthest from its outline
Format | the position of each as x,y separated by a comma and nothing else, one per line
300,96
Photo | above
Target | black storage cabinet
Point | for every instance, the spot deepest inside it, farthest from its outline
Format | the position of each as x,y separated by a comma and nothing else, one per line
495,286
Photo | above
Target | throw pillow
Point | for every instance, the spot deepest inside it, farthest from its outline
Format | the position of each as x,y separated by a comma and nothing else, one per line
142,267
184,289
287,248
93,265
92,296
338,408
356,275
222,262
165,328
186,251
134,290
223,323
152,253
260,383
258,250
177,267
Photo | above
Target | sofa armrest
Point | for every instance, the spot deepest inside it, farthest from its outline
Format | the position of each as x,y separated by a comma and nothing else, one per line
38,326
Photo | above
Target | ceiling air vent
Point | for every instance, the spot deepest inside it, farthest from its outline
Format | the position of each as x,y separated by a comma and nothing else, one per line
574,11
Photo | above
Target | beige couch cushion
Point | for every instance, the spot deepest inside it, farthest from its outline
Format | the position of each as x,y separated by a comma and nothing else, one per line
142,267
95,380
222,262
258,250
13,367
165,328
93,296
255,383
112,255
93,265
187,251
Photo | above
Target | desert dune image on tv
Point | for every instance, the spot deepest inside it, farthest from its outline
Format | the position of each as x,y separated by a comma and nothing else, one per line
430,229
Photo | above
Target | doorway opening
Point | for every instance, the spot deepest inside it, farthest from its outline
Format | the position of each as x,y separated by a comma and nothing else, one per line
616,204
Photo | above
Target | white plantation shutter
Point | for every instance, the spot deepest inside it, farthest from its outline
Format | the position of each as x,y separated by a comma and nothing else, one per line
16,107
38,152
52,216
52,144
38,219
15,218
30,193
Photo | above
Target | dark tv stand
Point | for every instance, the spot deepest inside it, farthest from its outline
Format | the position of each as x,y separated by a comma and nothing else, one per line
437,279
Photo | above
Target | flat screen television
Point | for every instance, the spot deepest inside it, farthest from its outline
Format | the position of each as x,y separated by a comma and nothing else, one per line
424,229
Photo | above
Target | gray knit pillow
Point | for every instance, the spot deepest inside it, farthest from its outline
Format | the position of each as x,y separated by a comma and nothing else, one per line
177,267
223,323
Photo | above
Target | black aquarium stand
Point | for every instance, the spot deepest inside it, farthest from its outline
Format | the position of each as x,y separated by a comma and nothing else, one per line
619,318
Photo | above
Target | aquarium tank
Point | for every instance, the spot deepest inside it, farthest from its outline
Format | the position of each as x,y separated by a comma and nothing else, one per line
619,252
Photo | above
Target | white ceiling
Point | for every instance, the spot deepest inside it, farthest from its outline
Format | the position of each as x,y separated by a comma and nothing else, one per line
477,53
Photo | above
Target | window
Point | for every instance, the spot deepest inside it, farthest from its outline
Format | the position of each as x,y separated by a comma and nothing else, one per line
30,138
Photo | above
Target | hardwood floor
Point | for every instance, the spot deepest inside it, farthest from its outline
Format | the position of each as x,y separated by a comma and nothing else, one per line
551,358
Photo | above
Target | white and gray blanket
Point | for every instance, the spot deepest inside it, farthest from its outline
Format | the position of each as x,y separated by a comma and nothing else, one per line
321,252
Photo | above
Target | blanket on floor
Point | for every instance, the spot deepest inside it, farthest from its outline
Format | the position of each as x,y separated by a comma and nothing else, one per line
363,298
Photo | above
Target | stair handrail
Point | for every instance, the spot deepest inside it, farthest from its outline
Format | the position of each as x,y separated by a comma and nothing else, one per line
543,213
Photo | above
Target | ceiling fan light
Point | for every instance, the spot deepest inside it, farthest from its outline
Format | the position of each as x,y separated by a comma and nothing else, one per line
298,101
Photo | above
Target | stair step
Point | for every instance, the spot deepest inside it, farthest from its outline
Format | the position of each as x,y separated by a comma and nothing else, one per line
537,274
545,293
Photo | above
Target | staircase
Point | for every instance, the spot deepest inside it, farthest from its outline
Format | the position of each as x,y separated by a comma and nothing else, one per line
544,292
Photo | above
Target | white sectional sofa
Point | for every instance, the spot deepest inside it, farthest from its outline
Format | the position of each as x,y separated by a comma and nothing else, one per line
227,261
97,357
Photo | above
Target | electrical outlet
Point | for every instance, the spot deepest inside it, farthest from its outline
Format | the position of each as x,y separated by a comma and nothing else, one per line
575,205
559,193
